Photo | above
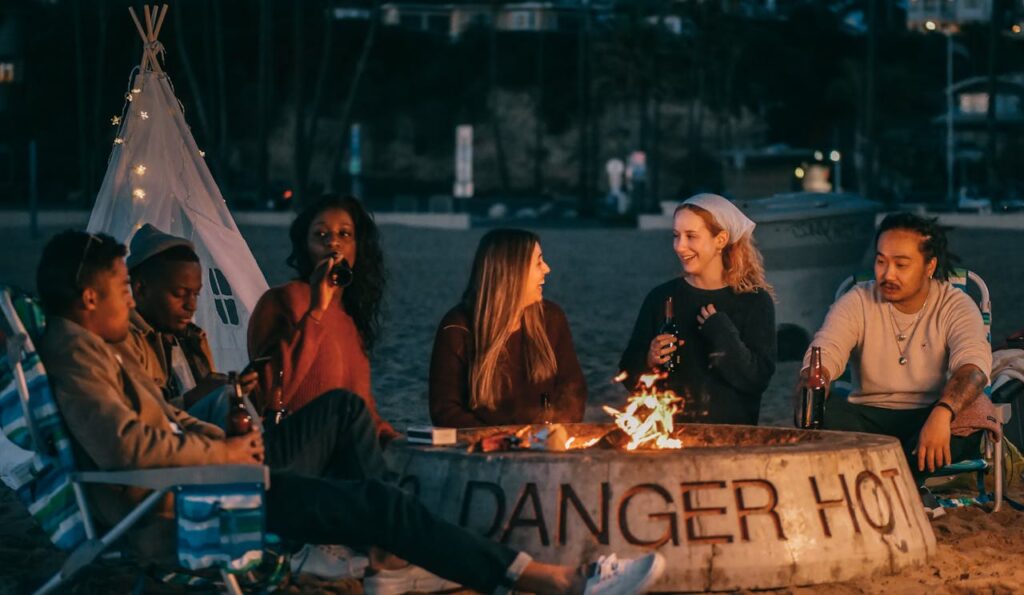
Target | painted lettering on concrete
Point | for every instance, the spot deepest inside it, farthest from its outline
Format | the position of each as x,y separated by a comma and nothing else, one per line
566,496
708,512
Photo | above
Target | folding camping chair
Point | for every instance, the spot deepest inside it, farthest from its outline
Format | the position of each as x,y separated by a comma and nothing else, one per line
219,509
992,445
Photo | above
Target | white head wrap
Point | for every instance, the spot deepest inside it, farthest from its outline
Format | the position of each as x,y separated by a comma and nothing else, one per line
725,213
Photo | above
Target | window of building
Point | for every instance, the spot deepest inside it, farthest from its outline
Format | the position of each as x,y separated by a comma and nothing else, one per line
974,103
523,20
6,72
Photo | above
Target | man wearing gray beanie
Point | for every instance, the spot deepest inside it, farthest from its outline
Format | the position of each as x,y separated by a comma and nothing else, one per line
166,279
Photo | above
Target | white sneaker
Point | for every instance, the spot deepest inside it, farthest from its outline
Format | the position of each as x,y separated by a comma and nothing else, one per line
329,562
611,576
403,580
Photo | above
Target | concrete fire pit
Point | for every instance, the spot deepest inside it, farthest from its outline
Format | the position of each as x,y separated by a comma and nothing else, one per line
737,507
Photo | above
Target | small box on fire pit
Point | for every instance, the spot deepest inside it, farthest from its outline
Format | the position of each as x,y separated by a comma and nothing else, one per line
431,435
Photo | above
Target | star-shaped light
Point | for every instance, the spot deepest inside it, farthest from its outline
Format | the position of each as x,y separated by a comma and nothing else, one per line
140,169
119,141
128,97
115,120
202,153
144,115
139,194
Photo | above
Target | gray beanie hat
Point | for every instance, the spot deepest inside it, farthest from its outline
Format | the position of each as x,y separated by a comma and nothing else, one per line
149,241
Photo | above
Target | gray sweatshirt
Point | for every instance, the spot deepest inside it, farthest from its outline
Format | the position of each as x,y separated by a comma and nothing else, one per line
862,329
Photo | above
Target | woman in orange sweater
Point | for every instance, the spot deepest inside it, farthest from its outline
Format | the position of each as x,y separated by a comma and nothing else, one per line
316,330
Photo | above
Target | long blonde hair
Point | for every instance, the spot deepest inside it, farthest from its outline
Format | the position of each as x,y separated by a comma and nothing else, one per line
494,299
741,260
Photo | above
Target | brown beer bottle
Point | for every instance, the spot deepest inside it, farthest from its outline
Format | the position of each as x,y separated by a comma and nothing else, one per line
276,410
812,406
239,421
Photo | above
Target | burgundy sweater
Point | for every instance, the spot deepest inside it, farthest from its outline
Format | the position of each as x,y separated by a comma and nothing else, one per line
317,353
522,400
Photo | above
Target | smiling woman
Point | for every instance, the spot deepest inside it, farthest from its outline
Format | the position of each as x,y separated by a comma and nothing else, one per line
505,354
724,349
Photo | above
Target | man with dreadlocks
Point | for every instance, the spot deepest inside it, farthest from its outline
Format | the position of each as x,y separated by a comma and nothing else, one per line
917,347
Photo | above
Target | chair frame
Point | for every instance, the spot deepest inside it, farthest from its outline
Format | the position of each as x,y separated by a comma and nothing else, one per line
160,480
993,444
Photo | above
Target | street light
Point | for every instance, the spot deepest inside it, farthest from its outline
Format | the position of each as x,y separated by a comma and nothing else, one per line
835,157
947,31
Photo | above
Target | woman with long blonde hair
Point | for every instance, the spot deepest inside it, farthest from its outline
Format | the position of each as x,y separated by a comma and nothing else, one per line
721,353
505,355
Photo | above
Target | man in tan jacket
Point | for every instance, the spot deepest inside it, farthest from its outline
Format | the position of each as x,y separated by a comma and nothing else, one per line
324,459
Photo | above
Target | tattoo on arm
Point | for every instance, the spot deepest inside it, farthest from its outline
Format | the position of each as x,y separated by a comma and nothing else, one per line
966,384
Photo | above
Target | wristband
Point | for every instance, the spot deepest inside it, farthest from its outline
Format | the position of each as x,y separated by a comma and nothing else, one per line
948,407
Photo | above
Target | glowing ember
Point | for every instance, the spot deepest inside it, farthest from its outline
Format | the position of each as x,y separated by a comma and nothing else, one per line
570,444
648,416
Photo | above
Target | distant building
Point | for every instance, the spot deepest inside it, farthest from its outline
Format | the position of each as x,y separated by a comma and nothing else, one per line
971,103
946,15
454,18
764,171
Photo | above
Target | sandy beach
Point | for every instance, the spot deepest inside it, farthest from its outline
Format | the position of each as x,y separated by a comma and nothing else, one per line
599,277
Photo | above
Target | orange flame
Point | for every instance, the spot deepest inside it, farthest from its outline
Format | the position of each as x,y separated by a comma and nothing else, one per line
570,444
647,418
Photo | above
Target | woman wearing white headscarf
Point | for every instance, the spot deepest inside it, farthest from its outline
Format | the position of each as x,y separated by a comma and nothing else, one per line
724,310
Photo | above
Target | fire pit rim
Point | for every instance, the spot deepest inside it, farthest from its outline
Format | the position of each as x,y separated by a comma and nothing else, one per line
825,440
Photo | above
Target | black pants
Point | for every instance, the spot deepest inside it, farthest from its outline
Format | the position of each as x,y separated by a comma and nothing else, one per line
903,424
325,487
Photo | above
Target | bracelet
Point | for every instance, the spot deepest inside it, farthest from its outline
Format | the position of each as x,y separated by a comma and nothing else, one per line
948,407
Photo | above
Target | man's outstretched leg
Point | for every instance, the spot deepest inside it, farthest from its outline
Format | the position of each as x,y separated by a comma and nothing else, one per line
372,513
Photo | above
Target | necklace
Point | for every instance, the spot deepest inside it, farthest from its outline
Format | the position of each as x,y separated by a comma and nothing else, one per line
901,333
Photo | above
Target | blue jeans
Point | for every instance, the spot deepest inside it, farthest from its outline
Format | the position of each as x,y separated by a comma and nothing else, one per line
213,408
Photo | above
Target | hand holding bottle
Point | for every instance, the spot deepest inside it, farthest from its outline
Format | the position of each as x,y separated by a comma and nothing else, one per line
662,352
320,282
245,449
811,392
661,349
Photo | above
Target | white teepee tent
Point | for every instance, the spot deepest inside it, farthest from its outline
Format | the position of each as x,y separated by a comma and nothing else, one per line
157,175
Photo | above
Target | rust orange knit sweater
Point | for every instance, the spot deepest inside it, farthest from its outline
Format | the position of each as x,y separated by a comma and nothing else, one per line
316,353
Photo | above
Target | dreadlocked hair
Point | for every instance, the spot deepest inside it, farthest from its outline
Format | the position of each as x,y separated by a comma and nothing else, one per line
934,243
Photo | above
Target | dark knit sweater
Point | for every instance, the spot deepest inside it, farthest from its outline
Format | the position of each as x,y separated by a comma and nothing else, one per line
522,400
726,363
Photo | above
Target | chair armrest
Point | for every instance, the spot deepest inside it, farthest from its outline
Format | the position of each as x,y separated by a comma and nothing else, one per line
1007,391
168,477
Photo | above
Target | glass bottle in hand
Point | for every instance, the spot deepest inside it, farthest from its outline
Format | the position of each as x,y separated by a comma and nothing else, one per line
276,410
239,421
812,402
669,328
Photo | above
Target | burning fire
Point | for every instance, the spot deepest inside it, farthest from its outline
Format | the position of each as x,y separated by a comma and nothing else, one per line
570,444
648,416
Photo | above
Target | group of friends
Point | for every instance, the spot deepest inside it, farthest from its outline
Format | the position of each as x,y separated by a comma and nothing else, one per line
138,387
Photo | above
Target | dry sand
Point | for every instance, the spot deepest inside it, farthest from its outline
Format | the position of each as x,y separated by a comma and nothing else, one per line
599,277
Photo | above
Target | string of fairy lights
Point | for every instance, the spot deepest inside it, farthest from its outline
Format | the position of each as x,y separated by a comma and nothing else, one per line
138,193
